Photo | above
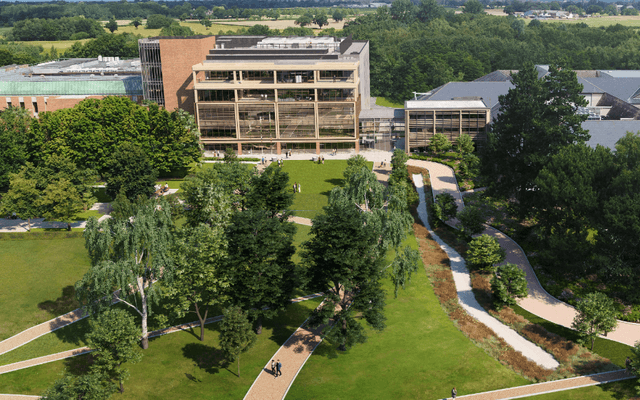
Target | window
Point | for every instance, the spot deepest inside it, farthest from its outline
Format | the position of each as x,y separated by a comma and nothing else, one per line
336,95
216,95
217,121
257,121
263,76
218,75
296,95
295,77
336,76
336,120
297,121
256,95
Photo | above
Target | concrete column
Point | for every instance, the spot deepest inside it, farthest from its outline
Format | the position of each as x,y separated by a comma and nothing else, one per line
239,149
317,147
278,148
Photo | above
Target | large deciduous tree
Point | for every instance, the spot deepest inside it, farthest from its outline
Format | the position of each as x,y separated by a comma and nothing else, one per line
130,171
129,256
537,119
23,197
14,127
270,192
92,386
114,337
596,316
259,267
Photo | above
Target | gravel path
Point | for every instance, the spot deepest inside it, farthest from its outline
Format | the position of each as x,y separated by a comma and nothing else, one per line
468,301
538,302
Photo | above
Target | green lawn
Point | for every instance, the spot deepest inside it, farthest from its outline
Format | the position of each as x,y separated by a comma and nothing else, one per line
316,181
37,276
614,351
381,101
60,45
178,365
420,354
609,391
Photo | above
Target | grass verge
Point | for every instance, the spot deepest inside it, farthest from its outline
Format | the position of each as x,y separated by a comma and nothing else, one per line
381,101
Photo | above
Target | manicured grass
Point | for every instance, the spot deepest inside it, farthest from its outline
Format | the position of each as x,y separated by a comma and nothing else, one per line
302,235
316,181
179,365
609,391
420,354
37,277
381,101
614,351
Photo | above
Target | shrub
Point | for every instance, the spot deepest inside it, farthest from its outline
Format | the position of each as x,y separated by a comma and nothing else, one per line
508,283
439,143
485,252
445,207
471,220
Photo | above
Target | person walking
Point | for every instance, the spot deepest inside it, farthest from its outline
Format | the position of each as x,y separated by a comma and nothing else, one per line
298,188
279,368
454,393
273,367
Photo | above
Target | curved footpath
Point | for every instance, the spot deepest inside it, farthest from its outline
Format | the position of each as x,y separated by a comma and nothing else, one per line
538,302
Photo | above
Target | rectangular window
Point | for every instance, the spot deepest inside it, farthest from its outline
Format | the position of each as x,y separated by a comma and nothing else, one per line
295,77
216,95
220,76
336,120
256,95
336,76
336,95
262,76
217,121
297,121
296,95
259,148
309,148
257,121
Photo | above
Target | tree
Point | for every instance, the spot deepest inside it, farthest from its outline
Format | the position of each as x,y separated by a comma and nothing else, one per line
428,10
537,120
403,11
337,15
321,19
596,316
200,13
236,334
270,192
473,7
14,126
206,22
60,201
207,200
183,17
472,220
23,197
158,21
508,283
114,337
439,143
176,30
112,25
593,9
136,22
630,11
354,165
259,267
445,207
129,170
199,255
611,9
130,255
464,144
304,20
91,386
399,172
485,252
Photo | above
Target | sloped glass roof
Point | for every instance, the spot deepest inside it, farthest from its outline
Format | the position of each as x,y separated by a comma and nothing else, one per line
131,86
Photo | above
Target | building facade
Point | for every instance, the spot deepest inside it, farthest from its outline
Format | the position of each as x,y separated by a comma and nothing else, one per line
263,94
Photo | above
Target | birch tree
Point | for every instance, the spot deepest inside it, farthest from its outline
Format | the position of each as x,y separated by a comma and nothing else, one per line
129,256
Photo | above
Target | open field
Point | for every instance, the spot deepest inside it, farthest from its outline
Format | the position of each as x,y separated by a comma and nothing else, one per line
60,45
280,23
195,27
420,355
604,21
37,276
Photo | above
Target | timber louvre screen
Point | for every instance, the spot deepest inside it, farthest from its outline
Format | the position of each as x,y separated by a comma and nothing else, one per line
151,65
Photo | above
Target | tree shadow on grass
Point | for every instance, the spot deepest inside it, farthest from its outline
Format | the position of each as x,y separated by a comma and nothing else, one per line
79,365
207,358
335,181
63,304
75,333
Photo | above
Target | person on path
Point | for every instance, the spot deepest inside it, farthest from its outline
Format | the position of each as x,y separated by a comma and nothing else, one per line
298,188
454,393
273,367
279,368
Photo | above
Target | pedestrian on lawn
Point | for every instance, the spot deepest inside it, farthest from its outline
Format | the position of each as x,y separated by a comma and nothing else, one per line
454,393
273,367
279,367
298,188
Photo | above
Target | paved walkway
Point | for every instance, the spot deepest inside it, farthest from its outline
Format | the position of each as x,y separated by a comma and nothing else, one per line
468,301
538,302
20,225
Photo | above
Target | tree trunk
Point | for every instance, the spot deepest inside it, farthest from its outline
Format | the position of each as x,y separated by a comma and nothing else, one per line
593,340
121,387
202,320
145,315
259,325
68,226
238,366
343,347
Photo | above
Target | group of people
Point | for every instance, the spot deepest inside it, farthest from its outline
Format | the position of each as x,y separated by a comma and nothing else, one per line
280,162
321,159
296,187
276,368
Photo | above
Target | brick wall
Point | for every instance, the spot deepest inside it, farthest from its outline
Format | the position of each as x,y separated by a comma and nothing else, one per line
178,56
53,103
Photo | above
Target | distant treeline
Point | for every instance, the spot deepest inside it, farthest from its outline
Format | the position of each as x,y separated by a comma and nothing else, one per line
10,13
67,28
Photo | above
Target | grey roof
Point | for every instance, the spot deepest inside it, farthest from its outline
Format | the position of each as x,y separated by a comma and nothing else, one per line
620,73
444,104
382,112
495,76
488,91
622,88
606,133
588,86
